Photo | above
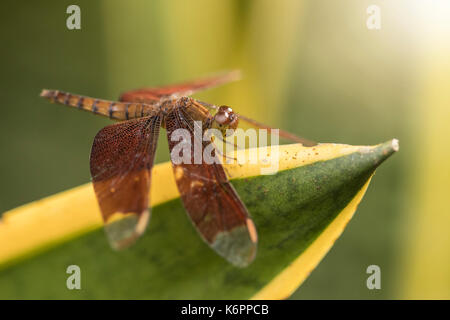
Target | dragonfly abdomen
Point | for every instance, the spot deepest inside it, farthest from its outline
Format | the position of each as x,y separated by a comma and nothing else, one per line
111,109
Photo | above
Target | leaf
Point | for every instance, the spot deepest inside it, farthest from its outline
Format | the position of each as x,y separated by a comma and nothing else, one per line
299,212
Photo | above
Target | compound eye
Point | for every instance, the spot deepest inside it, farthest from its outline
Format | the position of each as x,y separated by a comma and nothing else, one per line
226,109
222,116
221,119
234,121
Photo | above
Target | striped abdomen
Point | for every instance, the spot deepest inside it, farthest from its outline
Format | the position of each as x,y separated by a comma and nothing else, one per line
111,109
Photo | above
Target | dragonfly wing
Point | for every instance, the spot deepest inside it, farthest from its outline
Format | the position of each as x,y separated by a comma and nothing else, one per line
122,157
282,133
210,200
151,95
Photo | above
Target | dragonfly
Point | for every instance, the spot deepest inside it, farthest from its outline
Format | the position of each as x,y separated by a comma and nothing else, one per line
123,154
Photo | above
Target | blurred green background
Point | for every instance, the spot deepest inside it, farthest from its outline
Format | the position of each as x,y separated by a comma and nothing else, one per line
311,67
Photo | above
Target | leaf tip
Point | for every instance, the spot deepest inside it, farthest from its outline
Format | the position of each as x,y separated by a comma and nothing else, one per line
395,145
384,151
389,147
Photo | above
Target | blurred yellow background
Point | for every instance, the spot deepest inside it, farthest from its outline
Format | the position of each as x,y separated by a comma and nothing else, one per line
311,67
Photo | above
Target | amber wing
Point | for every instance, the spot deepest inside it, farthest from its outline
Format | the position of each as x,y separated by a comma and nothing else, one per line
211,201
150,95
121,161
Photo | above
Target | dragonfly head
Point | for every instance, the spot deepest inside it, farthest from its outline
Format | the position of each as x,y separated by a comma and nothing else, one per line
225,119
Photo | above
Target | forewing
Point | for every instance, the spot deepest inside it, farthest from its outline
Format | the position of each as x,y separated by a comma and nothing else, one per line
211,201
121,161
151,95
282,133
